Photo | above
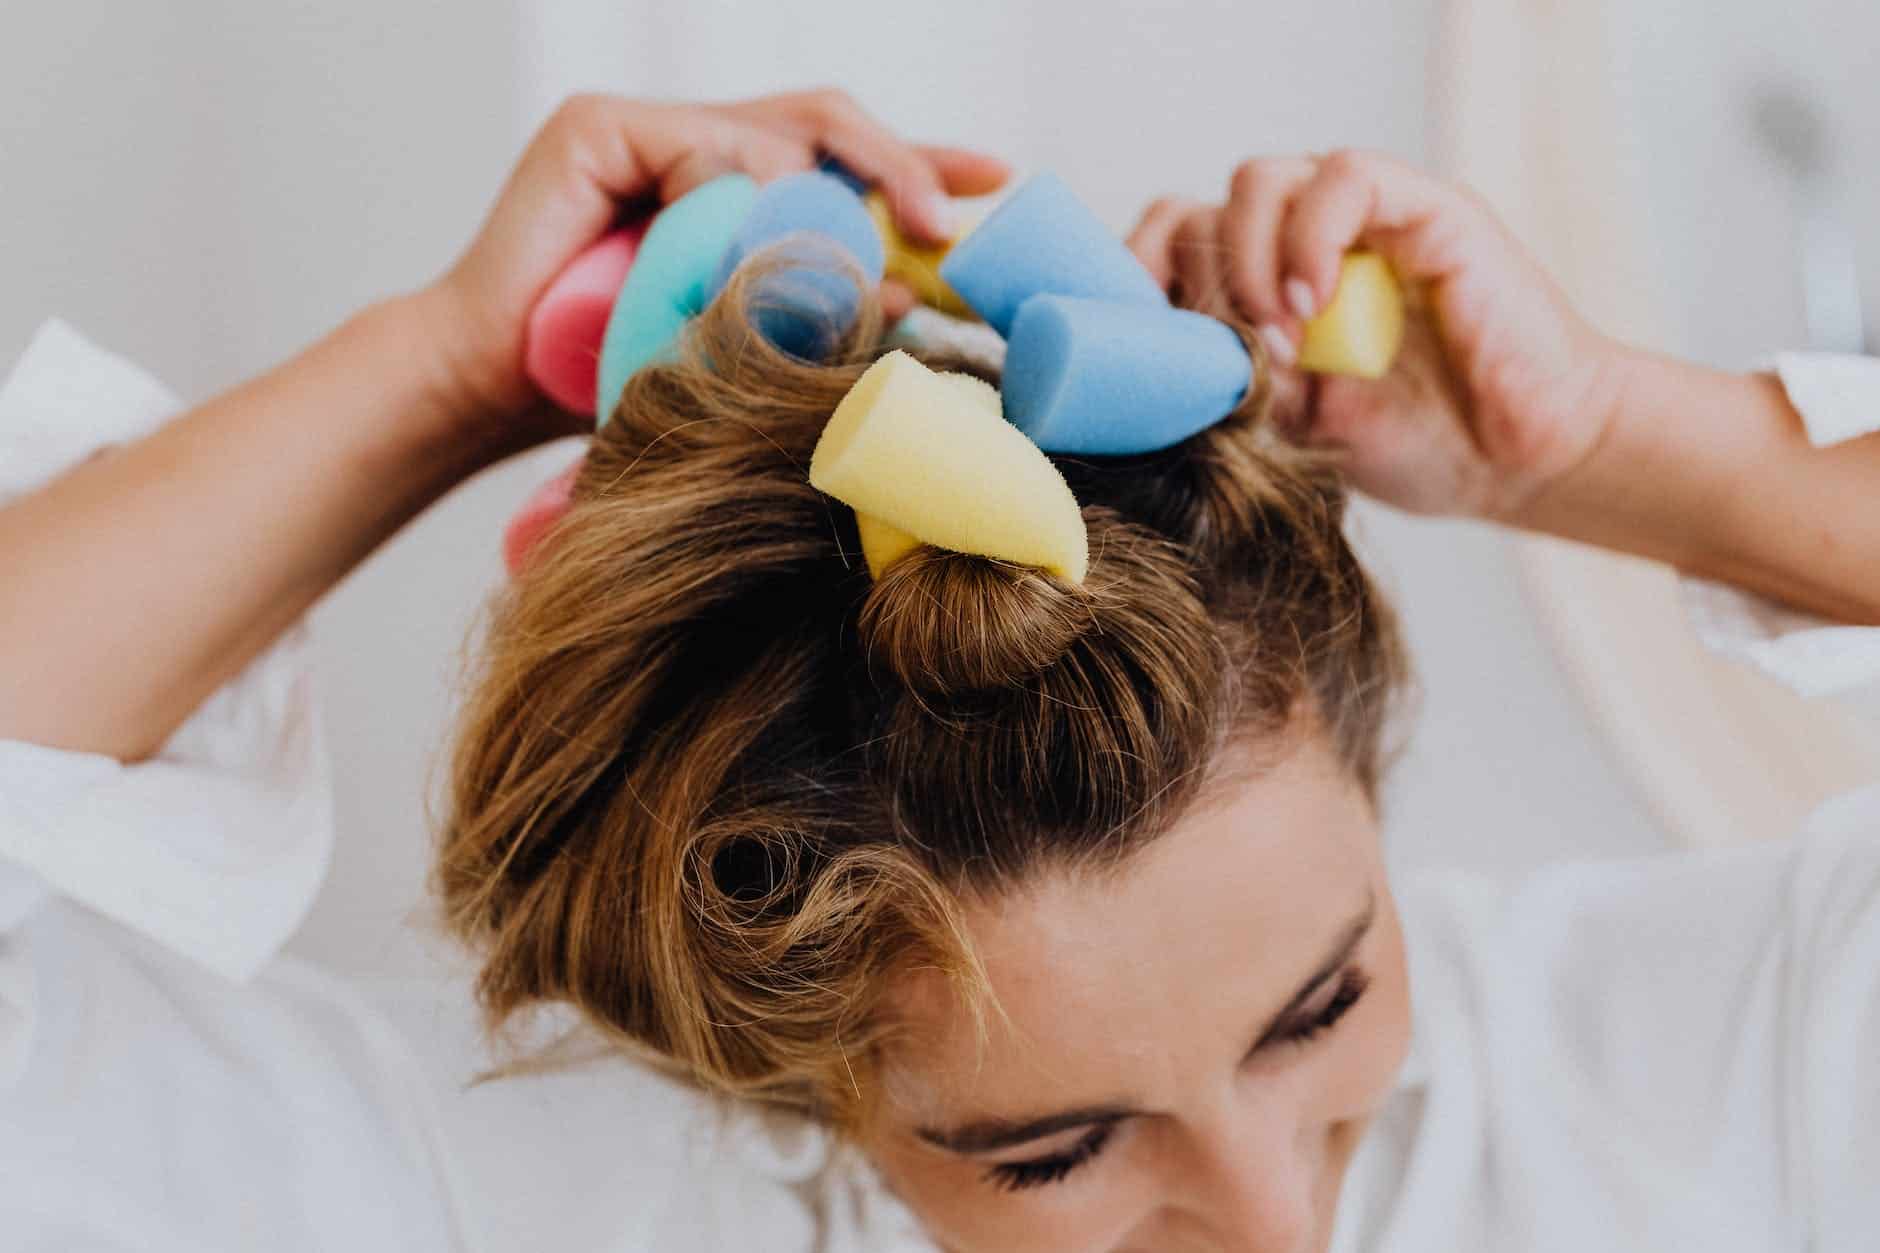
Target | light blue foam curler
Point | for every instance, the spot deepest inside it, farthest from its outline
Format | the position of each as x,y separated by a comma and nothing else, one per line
1043,239
1097,377
814,218
671,280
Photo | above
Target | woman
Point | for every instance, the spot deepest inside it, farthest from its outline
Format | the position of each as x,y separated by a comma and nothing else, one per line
160,837
1073,920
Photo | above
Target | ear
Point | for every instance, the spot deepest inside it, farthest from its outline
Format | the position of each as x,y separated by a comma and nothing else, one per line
540,513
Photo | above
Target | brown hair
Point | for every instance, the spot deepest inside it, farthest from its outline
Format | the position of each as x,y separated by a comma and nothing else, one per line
715,786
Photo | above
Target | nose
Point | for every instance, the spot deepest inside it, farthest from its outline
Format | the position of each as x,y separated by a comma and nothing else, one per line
1255,1191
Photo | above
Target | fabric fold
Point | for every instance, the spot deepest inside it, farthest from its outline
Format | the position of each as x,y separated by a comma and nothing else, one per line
216,847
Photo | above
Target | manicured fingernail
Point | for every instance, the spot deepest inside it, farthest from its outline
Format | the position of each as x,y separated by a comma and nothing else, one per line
1300,300
937,212
1278,346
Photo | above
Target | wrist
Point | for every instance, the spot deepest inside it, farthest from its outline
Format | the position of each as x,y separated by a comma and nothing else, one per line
465,403
420,425
1581,471
1664,477
481,400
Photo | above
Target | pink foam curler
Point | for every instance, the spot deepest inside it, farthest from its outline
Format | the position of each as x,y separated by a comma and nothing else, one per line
546,506
563,353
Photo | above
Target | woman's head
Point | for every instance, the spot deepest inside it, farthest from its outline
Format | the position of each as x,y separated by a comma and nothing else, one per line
963,848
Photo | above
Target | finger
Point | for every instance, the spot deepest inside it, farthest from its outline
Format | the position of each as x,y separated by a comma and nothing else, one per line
964,172
693,170
1294,403
598,152
897,299
1257,199
1153,237
1347,416
832,122
1363,198
625,148
735,147
1206,249
564,191
1200,281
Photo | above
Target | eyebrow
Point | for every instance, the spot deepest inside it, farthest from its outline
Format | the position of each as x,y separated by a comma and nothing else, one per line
986,1135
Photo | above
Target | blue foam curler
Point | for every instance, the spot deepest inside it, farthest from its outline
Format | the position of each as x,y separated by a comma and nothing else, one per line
816,219
1043,239
1097,377
671,280
834,168
814,203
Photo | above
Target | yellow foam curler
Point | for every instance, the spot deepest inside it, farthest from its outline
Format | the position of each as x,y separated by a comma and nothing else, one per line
882,543
975,391
915,265
1360,331
923,458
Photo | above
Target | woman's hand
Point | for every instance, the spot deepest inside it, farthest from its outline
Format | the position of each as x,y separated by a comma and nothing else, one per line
600,152
135,584
1505,404
1502,388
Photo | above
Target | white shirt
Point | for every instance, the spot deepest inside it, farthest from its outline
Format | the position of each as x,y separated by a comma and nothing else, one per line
167,1082
1674,1052
1679,1051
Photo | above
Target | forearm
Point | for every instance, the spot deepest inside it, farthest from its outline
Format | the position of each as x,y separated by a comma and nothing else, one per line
1713,473
134,585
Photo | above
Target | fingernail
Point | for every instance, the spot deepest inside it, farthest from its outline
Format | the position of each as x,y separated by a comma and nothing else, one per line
1300,300
937,212
1278,345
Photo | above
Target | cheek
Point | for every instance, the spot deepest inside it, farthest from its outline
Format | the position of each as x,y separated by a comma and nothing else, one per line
965,1214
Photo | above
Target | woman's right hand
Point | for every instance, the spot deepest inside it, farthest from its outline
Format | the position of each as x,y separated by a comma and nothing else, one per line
1501,390
599,152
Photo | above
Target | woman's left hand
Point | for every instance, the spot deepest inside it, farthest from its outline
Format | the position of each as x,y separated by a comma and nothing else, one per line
1501,390
600,152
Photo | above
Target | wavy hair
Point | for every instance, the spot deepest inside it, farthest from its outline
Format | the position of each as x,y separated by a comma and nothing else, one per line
716,788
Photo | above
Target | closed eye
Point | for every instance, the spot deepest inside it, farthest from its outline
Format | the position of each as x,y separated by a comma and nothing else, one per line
1312,1011
1056,1167
1350,988
1017,1176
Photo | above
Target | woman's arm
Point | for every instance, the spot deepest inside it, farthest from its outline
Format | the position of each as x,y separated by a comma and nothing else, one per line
1505,404
1714,473
135,584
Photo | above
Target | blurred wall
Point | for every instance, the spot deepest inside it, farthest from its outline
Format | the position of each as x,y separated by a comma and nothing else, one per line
208,188
1722,206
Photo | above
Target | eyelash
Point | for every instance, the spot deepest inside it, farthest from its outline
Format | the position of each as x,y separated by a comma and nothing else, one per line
1017,1176
1352,983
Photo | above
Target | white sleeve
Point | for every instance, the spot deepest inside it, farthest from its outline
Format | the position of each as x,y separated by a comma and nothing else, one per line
1717,1017
1838,398
214,848
770,1180
1834,1029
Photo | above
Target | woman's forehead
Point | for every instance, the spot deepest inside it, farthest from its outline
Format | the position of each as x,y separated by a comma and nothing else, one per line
1099,978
